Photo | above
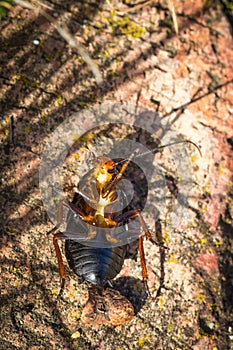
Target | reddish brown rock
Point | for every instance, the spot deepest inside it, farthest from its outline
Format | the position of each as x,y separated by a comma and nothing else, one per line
107,307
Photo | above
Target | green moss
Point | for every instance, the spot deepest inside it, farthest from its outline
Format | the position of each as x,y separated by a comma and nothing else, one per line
25,80
4,7
229,6
208,3
126,26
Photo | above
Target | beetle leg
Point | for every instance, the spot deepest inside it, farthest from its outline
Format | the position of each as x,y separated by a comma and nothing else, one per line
59,216
62,272
143,263
133,214
85,196
75,210
68,188
119,175
130,215
79,212
64,202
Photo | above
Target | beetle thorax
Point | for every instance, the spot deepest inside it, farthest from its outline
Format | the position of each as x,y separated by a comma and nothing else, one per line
104,202
104,173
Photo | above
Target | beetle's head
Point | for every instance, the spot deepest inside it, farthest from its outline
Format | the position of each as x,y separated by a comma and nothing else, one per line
105,170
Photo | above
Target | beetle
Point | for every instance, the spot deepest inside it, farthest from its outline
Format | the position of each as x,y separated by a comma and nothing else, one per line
97,265
93,197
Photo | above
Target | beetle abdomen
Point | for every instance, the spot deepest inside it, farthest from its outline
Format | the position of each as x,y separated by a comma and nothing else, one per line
95,265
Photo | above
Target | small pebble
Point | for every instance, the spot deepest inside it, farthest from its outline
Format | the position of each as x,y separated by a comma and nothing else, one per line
36,42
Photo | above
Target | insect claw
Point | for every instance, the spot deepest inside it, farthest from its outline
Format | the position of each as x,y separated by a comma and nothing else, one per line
53,229
110,284
147,289
59,297
61,289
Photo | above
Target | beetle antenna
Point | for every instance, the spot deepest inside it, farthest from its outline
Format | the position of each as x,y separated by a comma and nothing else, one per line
169,144
134,155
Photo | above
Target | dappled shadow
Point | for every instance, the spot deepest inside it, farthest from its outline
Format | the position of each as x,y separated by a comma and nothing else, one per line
21,306
27,76
133,289
225,263
227,9
214,319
